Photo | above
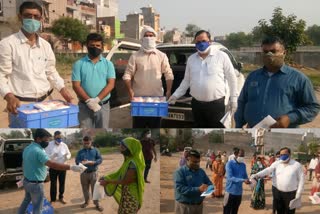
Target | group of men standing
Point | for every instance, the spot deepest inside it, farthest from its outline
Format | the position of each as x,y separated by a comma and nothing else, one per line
28,73
287,183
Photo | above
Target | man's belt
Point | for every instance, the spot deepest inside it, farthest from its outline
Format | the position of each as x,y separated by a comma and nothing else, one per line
100,103
31,99
89,171
36,182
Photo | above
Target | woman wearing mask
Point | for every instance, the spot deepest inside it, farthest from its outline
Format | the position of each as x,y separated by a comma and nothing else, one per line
217,176
258,199
127,184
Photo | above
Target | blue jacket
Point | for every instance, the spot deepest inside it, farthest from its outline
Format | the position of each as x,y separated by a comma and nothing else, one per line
187,183
236,175
287,92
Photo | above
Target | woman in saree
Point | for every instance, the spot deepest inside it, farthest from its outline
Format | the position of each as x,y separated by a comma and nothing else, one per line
316,179
258,198
217,176
127,184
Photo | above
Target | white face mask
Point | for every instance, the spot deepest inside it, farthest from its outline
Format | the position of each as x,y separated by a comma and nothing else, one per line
240,159
148,43
148,135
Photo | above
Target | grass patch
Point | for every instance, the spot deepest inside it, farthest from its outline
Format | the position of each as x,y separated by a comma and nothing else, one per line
65,62
103,150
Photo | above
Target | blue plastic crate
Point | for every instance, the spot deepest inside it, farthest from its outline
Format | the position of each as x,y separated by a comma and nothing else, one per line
149,109
46,208
62,118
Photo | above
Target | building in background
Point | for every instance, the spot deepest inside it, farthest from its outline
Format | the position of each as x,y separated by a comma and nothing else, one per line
134,22
83,10
132,26
107,8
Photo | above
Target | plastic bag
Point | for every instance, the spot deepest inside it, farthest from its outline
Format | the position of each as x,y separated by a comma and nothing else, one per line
98,192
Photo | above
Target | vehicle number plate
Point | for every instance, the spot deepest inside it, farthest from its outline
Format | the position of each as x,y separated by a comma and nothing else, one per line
176,116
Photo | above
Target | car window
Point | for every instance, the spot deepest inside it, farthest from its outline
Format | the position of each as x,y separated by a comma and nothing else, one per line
15,147
120,59
233,60
178,56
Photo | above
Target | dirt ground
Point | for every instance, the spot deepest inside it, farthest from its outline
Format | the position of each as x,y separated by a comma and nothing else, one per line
11,197
214,205
120,117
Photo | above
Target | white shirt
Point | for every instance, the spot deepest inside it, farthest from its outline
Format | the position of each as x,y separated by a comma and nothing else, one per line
58,152
286,177
313,163
207,78
27,71
231,157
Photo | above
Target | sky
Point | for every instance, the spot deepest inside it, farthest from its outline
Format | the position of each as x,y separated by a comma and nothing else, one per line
222,17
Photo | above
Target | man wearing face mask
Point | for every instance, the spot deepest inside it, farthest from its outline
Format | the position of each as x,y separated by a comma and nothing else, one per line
287,182
59,152
143,74
149,152
236,175
190,182
278,90
27,63
34,165
207,73
93,78
91,158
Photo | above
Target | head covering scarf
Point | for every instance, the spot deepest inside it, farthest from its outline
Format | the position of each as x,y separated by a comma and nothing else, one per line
148,44
136,157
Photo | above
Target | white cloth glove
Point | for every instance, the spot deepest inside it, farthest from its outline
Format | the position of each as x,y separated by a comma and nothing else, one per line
93,104
233,106
253,176
172,100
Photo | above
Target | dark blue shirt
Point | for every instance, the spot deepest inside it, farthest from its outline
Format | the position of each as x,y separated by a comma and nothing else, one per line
236,174
91,154
286,92
187,183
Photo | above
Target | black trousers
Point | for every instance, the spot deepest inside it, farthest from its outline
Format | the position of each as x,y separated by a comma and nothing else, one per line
310,174
233,204
146,122
146,170
208,114
281,201
54,176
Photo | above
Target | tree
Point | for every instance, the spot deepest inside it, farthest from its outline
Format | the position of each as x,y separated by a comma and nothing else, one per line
191,30
168,36
216,136
67,28
288,28
237,40
313,34
13,134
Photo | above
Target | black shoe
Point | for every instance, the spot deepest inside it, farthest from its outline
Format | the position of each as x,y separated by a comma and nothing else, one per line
84,205
52,201
99,208
62,201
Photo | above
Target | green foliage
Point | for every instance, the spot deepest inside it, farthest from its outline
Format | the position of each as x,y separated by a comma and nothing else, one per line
216,137
68,28
13,134
313,34
168,36
288,28
237,40
191,30
103,139
303,148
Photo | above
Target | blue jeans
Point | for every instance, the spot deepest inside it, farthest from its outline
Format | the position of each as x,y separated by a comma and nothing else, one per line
34,193
90,119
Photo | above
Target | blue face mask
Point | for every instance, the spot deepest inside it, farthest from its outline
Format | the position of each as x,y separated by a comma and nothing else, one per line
202,46
284,157
31,25
58,140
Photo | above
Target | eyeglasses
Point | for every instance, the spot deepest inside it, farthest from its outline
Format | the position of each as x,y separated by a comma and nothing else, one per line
32,16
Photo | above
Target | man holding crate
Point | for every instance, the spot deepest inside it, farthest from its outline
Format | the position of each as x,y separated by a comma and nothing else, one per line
27,63
143,74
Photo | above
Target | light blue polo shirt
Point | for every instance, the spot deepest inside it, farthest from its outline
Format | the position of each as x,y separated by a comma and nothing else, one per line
93,77
34,158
